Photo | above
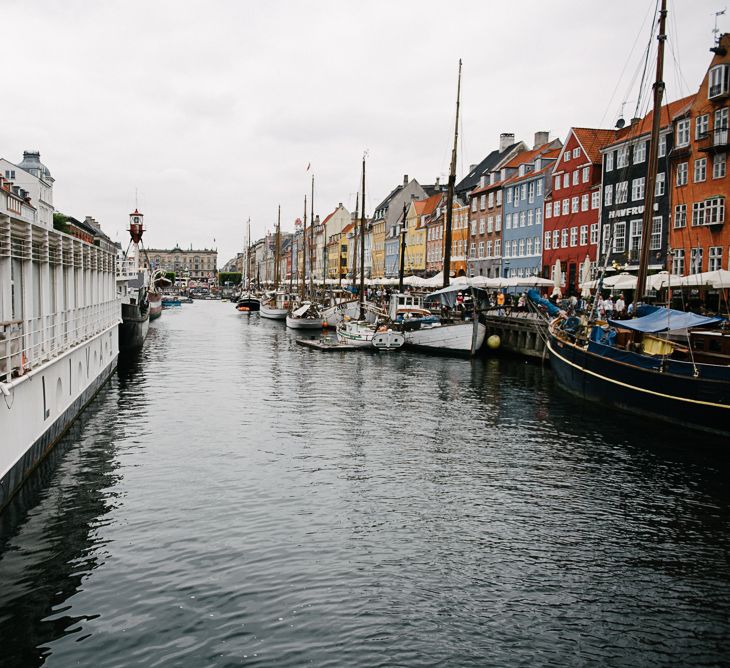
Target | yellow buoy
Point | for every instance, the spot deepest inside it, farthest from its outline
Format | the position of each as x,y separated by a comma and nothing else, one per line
493,342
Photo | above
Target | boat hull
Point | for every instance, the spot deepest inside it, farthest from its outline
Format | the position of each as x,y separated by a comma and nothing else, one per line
273,313
248,305
362,338
304,323
46,401
155,300
681,399
133,328
456,339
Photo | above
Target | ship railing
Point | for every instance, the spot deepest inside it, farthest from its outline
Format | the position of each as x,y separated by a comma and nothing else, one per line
25,344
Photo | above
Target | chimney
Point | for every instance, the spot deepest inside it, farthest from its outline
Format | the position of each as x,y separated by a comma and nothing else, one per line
339,206
542,137
472,168
438,181
405,180
506,139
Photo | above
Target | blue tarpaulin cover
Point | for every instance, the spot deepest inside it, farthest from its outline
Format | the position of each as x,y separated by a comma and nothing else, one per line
665,320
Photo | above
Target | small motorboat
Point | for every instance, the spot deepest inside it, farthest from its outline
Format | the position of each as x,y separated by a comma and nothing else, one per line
248,303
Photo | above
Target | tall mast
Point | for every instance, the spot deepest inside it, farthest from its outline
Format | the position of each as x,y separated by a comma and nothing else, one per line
277,250
362,246
311,244
304,251
354,241
450,191
402,267
653,159
248,257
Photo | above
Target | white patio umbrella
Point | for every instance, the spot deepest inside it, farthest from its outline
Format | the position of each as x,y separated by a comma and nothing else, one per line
585,277
661,280
719,278
557,280
622,281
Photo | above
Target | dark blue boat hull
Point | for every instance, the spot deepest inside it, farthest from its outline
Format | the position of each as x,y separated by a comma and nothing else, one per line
679,397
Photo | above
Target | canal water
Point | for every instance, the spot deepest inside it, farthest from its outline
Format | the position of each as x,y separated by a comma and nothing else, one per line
232,498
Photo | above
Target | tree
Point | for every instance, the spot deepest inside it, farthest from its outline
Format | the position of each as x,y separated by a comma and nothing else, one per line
232,277
170,276
60,222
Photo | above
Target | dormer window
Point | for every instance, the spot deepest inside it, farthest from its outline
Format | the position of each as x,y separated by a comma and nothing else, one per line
522,170
718,82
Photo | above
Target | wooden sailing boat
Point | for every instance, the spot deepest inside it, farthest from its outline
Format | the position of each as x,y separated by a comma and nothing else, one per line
423,330
276,306
624,364
248,303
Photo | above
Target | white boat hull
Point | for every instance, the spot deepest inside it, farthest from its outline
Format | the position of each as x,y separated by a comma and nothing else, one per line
454,339
42,404
360,338
334,315
273,313
304,323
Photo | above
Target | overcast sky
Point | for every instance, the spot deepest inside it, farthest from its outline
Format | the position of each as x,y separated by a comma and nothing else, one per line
213,109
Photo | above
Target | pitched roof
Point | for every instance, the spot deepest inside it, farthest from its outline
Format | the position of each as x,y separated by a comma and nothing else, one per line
593,140
487,164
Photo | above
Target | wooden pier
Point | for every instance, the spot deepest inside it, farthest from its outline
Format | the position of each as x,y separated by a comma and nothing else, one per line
521,333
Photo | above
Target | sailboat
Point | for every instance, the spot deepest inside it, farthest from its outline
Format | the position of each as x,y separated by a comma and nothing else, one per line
305,314
431,333
682,376
276,305
248,302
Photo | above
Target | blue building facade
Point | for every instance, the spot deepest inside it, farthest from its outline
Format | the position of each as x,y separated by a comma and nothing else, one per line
524,196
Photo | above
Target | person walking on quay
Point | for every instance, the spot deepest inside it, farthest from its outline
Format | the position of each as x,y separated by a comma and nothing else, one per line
608,306
500,303
620,306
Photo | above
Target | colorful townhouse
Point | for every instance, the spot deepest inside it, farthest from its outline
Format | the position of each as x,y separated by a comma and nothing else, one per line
522,209
435,228
417,216
698,238
572,206
459,237
623,183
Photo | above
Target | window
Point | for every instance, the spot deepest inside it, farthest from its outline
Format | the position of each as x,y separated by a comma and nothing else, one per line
655,242
576,152
698,213
637,189
714,258
586,174
594,233
695,261
702,125
509,195
660,185
566,156
499,198
497,247
548,211
10,174
531,192
537,250
557,182
622,191
678,262
566,180
718,166
473,227
564,237
522,218
608,196
508,222
619,237
523,191
481,226
715,211
622,157
547,240
538,216
700,170
606,239
530,217
528,246
481,249
595,199
489,248
608,159
574,203
576,177
720,127
498,222
682,171
635,235
566,206
680,216
472,249
490,200
490,224
683,132
639,152
473,203
483,202
556,208
662,146
539,188
717,82
521,249
583,235
556,238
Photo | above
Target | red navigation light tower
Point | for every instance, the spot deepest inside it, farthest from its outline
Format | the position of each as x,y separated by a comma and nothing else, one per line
136,226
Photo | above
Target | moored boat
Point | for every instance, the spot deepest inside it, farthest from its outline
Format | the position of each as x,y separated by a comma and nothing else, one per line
277,305
306,316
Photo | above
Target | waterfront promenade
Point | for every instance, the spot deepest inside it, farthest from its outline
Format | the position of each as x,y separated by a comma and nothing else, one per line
231,498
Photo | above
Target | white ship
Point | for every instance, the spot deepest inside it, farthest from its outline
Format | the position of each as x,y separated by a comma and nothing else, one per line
59,314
